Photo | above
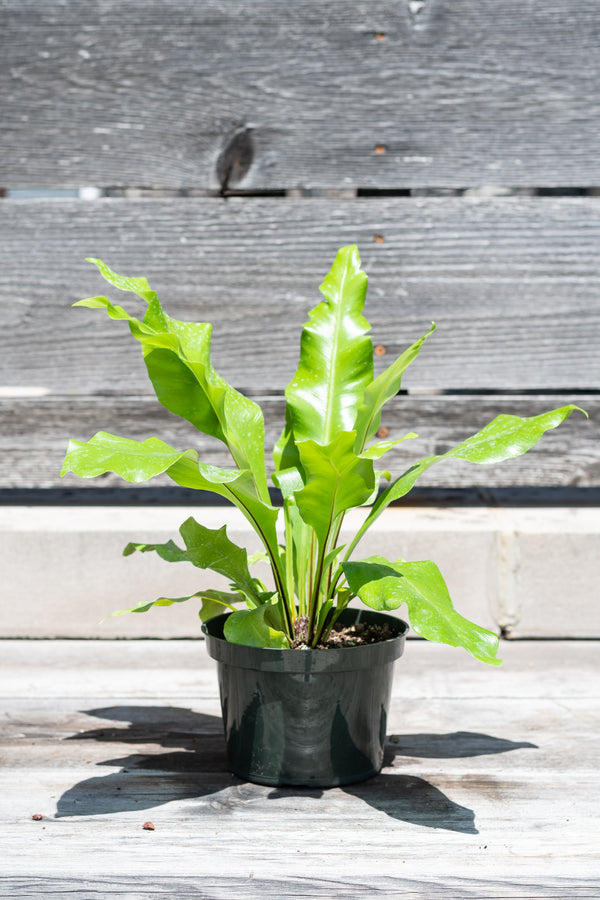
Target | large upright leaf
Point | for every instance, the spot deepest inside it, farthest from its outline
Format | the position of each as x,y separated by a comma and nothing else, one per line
177,357
336,480
336,361
385,585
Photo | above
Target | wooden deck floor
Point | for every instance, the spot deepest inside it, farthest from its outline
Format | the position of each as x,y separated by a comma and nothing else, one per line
490,788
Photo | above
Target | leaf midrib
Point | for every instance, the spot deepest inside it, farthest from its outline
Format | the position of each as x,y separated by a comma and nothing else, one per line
339,317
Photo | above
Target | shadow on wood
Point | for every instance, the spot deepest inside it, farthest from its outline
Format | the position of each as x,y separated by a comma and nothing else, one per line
406,798
457,745
198,768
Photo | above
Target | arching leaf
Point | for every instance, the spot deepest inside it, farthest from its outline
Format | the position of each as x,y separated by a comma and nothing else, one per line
385,585
382,389
177,358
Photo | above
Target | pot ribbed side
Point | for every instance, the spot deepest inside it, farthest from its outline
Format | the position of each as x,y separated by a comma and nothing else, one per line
315,718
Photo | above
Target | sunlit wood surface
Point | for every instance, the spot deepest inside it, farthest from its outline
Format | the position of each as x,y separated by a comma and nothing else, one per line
490,787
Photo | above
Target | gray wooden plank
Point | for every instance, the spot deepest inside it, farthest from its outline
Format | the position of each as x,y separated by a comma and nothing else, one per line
223,888
427,672
466,806
35,433
115,93
427,825
513,285
187,740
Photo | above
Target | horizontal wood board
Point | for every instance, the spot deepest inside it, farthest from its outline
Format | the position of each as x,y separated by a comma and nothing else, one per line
100,737
388,93
371,888
514,286
35,434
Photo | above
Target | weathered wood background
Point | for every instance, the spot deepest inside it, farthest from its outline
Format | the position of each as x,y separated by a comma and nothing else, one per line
513,285
367,93
342,114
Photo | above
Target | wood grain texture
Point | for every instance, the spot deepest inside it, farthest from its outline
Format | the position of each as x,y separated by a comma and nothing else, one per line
153,93
35,433
368,888
466,805
373,888
513,285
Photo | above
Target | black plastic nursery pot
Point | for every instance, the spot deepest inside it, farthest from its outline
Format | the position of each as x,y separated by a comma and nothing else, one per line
315,718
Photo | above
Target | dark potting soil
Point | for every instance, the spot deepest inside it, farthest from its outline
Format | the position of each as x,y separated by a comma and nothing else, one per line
340,636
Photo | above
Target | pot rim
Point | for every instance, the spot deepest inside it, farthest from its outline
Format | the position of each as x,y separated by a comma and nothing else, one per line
337,659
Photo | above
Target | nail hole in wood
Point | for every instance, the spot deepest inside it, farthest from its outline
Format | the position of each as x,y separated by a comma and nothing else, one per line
383,432
379,239
380,350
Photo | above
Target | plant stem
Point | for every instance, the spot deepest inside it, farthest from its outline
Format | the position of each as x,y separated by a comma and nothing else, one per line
310,570
316,590
314,604
289,562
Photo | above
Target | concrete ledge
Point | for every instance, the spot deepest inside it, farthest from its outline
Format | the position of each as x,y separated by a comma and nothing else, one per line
529,572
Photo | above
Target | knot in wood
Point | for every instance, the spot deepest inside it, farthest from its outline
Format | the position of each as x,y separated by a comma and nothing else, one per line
235,159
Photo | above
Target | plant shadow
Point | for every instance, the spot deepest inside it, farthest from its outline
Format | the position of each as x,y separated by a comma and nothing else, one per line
406,798
196,764
456,745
